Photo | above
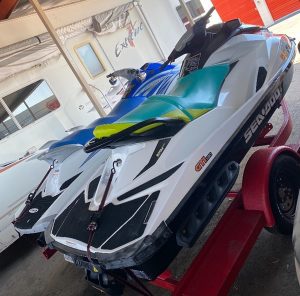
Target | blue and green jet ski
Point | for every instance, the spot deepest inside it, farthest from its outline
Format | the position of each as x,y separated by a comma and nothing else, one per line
67,158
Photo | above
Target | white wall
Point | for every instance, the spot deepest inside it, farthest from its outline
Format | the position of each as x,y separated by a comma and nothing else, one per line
207,4
139,52
164,21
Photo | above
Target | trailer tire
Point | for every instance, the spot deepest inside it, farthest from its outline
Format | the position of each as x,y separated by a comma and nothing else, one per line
284,184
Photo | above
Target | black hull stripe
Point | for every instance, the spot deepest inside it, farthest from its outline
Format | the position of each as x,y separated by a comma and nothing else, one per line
158,151
150,183
67,183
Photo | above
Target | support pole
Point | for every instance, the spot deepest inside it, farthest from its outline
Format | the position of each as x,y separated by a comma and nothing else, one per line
13,118
72,65
187,11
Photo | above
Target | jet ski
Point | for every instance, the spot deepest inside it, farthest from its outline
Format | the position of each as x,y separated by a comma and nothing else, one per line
67,158
171,161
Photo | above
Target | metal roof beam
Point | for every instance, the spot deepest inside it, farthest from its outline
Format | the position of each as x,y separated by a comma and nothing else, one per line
45,20
18,29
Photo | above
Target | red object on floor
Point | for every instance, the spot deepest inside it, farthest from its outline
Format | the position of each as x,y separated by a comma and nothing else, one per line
48,253
166,281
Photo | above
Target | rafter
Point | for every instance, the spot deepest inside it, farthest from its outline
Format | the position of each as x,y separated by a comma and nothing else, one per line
6,8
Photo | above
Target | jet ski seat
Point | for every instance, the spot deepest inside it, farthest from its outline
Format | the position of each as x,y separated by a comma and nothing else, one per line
191,97
82,136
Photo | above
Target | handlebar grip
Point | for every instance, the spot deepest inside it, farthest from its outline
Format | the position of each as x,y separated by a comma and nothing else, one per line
208,14
164,65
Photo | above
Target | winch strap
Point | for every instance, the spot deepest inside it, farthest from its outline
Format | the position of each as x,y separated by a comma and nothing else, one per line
92,227
32,195
30,198
113,171
138,281
90,240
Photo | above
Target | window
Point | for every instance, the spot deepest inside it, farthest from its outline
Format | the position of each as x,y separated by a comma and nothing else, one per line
26,105
7,125
90,60
195,8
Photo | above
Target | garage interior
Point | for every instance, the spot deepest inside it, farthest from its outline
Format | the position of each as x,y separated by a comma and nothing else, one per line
59,63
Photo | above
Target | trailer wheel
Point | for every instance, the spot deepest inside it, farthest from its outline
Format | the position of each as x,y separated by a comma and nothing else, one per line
284,184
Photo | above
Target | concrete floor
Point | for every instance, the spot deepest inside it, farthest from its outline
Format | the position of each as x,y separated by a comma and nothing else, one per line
269,270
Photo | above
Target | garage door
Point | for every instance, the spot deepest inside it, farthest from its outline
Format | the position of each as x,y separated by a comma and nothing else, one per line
245,10
280,8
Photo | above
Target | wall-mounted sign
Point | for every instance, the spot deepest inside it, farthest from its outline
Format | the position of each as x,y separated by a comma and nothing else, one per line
129,46
133,30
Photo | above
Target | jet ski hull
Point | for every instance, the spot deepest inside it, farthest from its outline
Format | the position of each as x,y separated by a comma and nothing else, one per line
150,256
188,176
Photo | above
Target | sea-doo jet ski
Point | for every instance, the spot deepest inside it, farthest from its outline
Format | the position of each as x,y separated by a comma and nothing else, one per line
67,158
172,160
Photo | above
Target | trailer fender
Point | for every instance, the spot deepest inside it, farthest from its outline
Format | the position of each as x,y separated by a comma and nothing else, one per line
255,184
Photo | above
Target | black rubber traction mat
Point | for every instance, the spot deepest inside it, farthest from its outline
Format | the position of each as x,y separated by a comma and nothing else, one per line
38,207
74,220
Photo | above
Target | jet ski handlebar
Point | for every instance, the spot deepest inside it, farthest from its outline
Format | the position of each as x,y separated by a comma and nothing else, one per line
127,73
183,46
96,144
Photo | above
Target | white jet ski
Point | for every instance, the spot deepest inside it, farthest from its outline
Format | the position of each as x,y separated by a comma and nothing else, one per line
170,162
